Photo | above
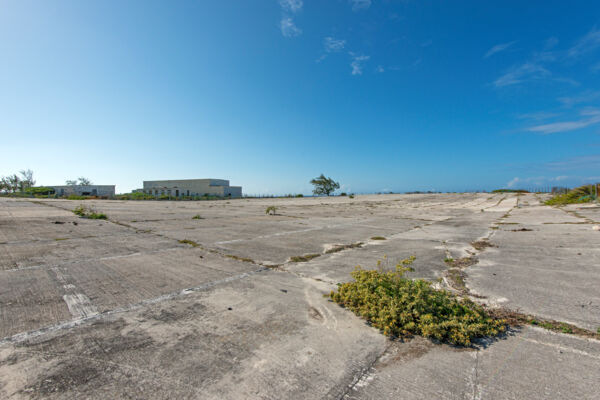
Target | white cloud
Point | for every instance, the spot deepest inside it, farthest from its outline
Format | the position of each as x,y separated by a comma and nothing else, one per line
592,117
538,116
358,5
586,44
291,5
357,63
521,183
513,182
584,97
379,69
287,25
332,45
288,28
522,73
498,48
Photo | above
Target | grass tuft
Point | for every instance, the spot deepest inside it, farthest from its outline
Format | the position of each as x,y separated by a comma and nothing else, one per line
378,238
190,242
197,216
400,307
304,258
88,212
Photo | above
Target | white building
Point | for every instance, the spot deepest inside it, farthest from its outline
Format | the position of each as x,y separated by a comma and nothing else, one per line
85,190
192,187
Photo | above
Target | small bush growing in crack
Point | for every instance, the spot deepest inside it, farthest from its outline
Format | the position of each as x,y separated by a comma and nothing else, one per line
378,238
197,216
271,210
399,307
88,212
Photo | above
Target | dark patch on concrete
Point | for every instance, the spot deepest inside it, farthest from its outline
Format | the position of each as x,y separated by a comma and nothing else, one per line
66,377
315,314
401,352
482,244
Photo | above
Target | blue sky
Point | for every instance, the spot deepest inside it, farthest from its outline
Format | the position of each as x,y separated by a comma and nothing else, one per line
380,95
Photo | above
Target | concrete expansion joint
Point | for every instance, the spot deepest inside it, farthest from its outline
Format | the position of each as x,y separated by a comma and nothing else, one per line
360,379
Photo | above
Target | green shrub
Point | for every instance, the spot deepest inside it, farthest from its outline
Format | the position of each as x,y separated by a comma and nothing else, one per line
271,210
400,307
39,190
197,216
351,196
88,212
582,194
378,238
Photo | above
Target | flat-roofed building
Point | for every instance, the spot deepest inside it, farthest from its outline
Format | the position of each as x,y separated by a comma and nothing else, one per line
192,187
85,190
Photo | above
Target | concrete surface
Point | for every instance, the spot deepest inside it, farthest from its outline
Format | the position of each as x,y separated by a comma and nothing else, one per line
122,309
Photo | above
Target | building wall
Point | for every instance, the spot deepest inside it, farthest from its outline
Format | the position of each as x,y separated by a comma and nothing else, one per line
192,187
85,190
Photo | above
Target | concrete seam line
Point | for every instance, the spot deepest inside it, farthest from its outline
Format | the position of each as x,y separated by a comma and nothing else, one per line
20,337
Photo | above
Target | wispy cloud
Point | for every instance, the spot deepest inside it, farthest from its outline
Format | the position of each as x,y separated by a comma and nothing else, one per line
518,182
586,44
357,63
538,116
291,5
333,45
521,73
589,116
287,25
380,69
580,98
550,43
498,48
288,28
358,5
585,162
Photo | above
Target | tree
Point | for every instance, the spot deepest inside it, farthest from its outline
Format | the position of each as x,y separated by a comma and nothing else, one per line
324,185
79,181
84,181
26,180
13,182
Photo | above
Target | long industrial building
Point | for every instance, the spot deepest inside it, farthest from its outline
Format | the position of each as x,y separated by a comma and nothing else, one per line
192,187
85,190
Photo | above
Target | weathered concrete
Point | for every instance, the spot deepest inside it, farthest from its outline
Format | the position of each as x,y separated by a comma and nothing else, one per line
122,309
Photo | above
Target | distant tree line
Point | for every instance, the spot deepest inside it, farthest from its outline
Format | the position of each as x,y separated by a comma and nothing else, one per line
17,183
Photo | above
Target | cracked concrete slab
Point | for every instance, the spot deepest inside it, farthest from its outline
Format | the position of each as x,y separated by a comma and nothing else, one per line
122,309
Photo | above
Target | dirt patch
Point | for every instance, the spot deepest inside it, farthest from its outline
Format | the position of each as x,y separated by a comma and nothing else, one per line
304,258
67,377
515,318
404,351
339,247
462,263
482,244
